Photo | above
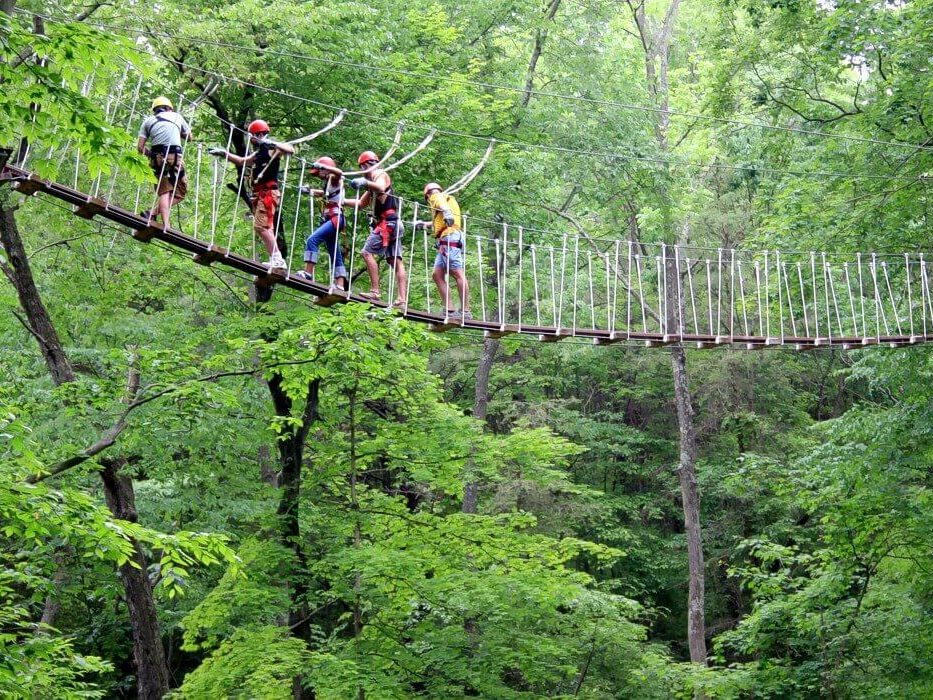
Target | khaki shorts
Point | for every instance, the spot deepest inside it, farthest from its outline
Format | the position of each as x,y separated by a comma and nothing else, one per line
263,215
170,176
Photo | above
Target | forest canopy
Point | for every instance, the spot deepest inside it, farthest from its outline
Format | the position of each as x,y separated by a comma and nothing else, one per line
217,489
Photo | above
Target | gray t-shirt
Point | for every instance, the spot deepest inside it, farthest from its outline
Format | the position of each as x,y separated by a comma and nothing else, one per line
164,129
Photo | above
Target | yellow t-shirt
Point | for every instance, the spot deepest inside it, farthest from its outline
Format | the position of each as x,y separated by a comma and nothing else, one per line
440,201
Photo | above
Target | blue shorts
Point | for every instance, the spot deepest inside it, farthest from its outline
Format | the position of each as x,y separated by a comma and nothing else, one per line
449,257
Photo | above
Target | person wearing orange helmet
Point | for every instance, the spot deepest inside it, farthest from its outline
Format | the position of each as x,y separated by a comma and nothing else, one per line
332,222
264,162
449,239
164,131
385,240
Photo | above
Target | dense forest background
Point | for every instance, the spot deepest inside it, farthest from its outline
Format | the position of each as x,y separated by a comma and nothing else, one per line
207,497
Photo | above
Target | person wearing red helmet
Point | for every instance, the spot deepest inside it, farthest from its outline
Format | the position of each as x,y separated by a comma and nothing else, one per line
386,237
332,222
449,242
264,162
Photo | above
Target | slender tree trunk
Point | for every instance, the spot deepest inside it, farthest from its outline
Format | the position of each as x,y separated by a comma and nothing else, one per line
152,681
291,458
696,596
480,402
37,319
656,41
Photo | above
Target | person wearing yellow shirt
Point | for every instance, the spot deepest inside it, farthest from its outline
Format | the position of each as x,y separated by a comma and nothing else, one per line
449,242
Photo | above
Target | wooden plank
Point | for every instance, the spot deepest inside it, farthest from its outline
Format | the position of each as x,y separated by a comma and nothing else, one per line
506,329
90,208
210,255
146,234
333,296
30,186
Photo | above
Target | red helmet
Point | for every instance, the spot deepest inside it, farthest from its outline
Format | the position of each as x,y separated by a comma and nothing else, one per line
367,156
258,126
326,160
430,186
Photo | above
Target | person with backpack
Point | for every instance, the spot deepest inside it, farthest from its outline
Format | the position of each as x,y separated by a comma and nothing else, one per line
332,222
386,237
449,239
264,181
164,131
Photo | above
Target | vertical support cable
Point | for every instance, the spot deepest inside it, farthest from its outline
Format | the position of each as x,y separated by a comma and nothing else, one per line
534,271
829,317
554,320
589,267
503,277
925,284
732,294
628,296
614,323
803,299
520,273
767,299
845,267
693,301
563,268
576,265
910,298
291,247
790,303
816,303
709,297
887,282
479,268
777,271
715,332
761,316
742,296
197,189
680,292
861,293
411,252
641,293
662,290
832,291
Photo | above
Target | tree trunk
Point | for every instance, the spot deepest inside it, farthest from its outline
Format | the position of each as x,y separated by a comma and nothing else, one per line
37,320
291,457
656,41
152,678
480,402
151,668
696,616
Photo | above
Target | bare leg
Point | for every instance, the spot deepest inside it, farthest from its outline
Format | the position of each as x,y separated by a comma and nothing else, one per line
268,239
372,267
440,279
401,277
165,203
463,287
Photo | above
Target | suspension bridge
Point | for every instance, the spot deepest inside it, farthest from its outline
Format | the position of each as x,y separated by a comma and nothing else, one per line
548,284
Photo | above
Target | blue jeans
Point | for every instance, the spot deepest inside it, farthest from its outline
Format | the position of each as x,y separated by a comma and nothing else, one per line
327,233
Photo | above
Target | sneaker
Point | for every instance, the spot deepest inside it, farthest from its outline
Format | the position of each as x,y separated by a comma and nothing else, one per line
277,261
464,315
303,275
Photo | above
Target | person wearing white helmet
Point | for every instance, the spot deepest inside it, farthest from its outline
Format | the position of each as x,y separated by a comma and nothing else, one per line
449,242
164,131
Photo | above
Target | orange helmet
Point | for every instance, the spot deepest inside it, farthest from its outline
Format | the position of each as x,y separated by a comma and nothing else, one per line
366,156
430,186
326,160
258,126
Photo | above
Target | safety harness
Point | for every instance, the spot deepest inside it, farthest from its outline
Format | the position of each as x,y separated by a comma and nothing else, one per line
333,202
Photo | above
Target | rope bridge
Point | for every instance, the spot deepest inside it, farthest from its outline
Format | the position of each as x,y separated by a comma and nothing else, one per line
548,284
